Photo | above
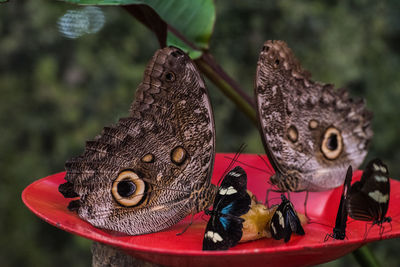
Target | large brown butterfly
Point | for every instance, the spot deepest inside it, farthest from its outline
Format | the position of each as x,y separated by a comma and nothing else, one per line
310,131
154,167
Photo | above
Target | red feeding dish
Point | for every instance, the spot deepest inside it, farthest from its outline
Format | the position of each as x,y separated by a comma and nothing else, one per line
43,199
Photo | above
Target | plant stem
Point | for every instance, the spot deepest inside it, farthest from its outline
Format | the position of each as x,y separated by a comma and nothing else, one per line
365,257
227,89
209,60
221,79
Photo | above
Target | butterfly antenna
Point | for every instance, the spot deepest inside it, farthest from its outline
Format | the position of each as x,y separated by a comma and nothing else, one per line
266,202
323,224
302,165
233,161
249,165
269,167
187,226
271,190
269,200
288,196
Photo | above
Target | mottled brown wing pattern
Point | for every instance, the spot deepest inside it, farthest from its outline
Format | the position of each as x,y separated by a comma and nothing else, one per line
154,167
311,132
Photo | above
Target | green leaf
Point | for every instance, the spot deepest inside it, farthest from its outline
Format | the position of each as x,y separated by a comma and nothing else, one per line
192,19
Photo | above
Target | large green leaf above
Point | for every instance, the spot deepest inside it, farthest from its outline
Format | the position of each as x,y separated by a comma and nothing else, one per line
193,19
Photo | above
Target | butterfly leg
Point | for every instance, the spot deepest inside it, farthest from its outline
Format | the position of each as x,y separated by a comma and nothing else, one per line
266,197
305,206
381,230
327,237
384,232
187,226
367,230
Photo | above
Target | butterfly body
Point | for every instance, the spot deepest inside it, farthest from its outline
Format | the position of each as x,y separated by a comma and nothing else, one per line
153,168
339,231
369,197
310,131
224,228
285,221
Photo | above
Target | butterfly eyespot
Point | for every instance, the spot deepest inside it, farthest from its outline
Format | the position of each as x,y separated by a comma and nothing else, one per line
332,143
170,77
128,189
178,155
148,158
292,134
313,124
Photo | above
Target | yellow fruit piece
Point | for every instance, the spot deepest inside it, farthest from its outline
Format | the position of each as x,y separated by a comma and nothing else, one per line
256,220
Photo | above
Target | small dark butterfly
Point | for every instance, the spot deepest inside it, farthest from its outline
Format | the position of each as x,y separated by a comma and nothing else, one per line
285,221
339,232
224,229
369,198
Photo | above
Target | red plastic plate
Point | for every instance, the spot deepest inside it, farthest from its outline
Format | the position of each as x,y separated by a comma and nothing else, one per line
43,199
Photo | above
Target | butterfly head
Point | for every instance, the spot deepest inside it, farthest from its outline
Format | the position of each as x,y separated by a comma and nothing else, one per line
276,55
204,197
288,182
174,61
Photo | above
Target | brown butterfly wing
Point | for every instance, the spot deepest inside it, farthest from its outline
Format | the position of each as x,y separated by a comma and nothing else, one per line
163,153
310,131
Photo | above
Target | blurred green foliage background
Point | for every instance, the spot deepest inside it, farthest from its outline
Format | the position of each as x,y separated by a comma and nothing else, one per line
57,92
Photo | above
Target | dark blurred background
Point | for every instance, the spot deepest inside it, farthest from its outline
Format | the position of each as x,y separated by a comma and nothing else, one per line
58,89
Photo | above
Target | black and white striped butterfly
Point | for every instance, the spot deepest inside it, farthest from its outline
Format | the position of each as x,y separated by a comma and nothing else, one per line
285,221
339,232
224,229
369,197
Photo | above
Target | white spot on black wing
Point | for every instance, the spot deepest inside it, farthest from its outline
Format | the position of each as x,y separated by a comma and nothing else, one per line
227,191
281,220
215,237
234,174
378,196
380,178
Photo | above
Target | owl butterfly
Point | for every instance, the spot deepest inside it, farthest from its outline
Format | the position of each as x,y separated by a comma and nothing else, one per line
285,221
339,231
311,132
369,197
153,168
224,228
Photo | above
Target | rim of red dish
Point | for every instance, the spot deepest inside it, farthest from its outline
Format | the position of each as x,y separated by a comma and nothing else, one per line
96,234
